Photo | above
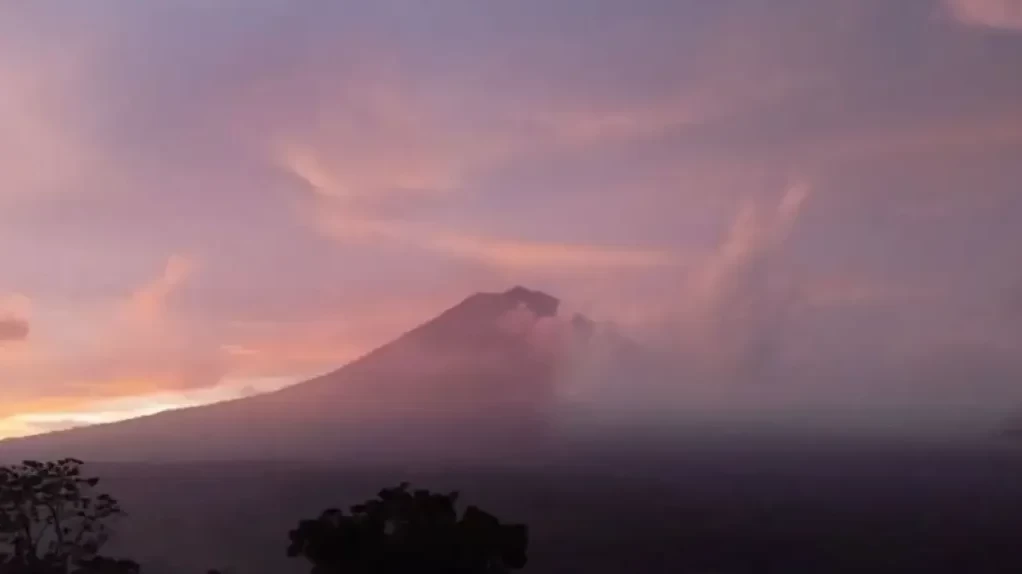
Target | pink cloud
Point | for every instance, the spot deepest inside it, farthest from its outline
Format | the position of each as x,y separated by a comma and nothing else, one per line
1002,14
133,347
507,254
148,302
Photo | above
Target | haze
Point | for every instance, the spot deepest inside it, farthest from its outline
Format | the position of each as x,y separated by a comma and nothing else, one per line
808,209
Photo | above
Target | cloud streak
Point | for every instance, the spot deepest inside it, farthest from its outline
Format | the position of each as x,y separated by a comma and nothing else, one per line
508,254
148,303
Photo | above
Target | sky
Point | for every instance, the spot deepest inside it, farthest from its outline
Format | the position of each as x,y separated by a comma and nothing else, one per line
204,200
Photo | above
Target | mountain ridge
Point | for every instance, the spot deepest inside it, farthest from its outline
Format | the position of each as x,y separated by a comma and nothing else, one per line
468,368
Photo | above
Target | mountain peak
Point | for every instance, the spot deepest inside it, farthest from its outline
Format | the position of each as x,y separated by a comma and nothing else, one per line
476,318
540,303
479,379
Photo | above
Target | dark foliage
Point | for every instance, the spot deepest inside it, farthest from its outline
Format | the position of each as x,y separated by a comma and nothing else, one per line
405,532
102,565
52,522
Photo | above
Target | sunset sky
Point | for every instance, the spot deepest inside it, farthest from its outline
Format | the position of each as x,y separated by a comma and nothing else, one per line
201,200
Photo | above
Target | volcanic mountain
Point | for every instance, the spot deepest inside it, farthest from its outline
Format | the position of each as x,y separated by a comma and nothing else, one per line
476,380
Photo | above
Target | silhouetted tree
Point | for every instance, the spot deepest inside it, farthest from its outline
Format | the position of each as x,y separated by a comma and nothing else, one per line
52,522
403,532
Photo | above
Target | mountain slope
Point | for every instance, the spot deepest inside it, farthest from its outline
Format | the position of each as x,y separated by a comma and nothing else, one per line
471,382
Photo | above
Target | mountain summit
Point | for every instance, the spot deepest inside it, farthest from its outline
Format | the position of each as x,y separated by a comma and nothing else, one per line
483,315
475,381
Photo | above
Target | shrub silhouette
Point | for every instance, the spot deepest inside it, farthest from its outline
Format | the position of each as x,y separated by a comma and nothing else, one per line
52,522
403,532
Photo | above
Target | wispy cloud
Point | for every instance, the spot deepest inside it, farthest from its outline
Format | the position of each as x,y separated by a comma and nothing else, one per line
149,301
549,256
502,253
133,347
737,301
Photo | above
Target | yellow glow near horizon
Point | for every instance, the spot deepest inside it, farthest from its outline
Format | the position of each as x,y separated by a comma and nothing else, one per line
36,423
114,410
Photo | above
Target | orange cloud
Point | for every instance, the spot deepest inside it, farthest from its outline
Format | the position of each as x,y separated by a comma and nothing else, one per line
143,353
21,405
86,402
148,302
133,347
47,416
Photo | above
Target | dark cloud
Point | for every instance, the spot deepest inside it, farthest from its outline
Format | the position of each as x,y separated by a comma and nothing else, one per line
13,329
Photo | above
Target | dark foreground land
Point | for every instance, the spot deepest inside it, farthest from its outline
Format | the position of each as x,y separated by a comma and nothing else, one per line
729,509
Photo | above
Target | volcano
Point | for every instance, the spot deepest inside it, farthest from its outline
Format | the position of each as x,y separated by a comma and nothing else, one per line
476,381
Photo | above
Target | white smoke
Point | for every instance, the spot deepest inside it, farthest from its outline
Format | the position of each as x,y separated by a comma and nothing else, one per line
742,344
